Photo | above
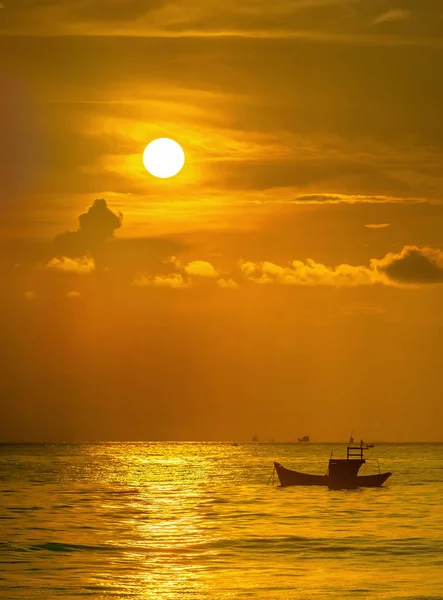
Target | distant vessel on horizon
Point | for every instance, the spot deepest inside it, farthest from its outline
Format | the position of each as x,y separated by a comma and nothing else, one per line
362,443
305,438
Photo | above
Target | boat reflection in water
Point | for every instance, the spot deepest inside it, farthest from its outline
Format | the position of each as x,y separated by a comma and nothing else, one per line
342,473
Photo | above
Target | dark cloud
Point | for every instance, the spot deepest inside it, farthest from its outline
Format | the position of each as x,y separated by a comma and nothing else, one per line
99,222
413,265
96,226
122,257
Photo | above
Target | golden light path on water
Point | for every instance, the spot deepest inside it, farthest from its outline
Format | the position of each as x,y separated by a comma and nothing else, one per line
172,520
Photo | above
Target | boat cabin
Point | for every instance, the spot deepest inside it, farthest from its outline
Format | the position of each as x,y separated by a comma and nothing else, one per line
343,471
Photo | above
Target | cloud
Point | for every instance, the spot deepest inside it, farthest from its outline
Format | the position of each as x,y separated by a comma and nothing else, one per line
227,283
201,268
93,247
99,222
307,273
390,16
377,225
96,226
82,266
411,266
73,294
182,277
304,19
30,295
289,195
353,199
174,280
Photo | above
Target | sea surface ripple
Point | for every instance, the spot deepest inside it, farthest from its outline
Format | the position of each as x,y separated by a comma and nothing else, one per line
170,520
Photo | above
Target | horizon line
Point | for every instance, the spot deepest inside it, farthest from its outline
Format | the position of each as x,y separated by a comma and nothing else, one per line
228,441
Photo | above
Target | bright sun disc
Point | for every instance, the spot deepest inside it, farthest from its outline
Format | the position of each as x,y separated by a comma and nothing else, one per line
163,158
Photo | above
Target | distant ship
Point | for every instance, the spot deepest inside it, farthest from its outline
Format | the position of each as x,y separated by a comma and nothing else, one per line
305,438
351,441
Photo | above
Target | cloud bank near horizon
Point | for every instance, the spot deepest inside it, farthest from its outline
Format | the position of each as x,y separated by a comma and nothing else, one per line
412,266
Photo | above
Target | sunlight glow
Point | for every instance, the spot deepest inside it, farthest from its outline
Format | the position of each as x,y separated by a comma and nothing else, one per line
163,158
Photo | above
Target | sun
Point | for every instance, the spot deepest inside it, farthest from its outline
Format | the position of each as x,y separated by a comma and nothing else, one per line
163,158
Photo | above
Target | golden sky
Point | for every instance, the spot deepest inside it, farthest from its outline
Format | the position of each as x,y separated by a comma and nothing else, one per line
288,281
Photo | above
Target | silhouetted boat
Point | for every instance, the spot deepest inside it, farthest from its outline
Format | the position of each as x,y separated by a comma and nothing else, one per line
305,438
342,473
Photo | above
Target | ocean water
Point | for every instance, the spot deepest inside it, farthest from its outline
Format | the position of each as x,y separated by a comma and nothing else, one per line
198,520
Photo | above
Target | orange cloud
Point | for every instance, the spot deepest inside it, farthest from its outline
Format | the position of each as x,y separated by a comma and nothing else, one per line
82,266
307,273
411,266
227,283
174,280
180,279
201,268
390,16
377,225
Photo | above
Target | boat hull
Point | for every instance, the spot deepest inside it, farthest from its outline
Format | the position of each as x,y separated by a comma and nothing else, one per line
376,480
288,477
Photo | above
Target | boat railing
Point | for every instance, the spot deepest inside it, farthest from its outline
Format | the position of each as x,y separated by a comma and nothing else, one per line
327,470
377,461
356,451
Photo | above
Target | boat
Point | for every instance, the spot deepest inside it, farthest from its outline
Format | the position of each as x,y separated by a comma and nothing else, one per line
305,438
342,473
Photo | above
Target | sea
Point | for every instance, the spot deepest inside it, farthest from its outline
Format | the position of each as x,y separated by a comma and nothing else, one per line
174,520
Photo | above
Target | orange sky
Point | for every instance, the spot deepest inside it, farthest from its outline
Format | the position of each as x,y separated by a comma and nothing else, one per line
288,281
